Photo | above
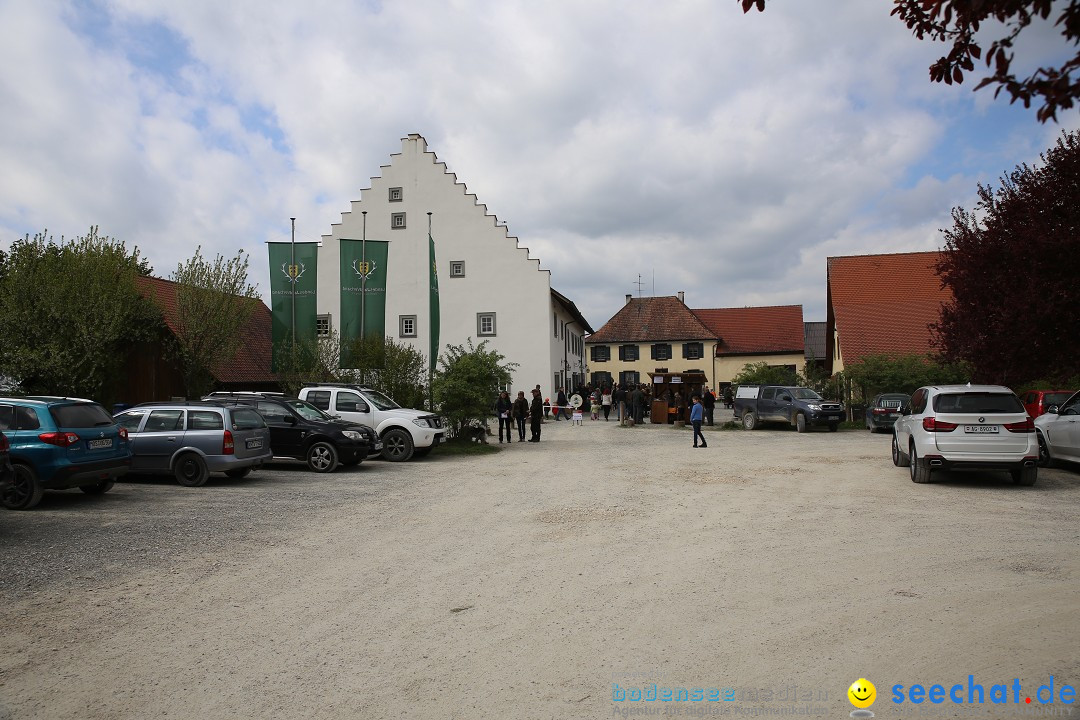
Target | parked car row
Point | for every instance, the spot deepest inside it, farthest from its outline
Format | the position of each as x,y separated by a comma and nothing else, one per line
59,443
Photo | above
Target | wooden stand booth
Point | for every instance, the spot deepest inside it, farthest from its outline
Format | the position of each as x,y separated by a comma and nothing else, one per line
665,386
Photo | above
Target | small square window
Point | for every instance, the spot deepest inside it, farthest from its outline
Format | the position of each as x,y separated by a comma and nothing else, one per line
322,326
457,268
395,194
485,324
407,324
397,221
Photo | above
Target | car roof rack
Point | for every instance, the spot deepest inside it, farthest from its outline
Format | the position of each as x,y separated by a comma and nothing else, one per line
350,386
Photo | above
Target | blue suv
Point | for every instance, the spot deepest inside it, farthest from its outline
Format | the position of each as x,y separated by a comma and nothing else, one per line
59,443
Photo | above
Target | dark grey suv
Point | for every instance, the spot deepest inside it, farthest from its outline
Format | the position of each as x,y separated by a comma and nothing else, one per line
190,440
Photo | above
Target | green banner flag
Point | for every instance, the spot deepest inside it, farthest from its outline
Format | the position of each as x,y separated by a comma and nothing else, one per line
363,291
433,304
293,279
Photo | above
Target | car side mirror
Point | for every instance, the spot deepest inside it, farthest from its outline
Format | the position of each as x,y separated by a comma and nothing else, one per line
289,420
785,398
1052,410
905,410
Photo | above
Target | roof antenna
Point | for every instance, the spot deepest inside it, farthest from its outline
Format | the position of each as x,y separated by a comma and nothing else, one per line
639,284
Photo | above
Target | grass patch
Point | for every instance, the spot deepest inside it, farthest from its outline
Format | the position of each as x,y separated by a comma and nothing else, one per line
463,447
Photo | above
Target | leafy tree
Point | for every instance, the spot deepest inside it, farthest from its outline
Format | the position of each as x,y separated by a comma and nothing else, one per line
957,22
1012,267
213,302
873,374
70,313
306,361
397,369
762,373
467,381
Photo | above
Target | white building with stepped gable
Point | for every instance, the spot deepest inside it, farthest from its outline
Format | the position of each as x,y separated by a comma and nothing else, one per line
490,288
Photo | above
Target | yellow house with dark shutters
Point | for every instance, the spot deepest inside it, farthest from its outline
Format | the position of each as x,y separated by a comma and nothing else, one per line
647,334
662,332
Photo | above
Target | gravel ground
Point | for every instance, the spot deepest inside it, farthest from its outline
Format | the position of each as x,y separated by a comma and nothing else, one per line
540,582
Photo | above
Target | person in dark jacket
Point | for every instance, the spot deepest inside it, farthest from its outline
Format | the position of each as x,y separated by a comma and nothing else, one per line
536,415
503,406
708,402
637,404
561,402
521,411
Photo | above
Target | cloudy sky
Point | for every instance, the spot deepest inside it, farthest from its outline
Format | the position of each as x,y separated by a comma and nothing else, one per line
722,154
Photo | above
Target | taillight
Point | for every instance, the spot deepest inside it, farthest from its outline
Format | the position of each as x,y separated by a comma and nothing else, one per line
123,432
227,446
60,439
883,411
932,424
1024,426
3,442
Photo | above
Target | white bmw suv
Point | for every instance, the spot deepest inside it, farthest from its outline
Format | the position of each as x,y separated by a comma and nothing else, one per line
966,427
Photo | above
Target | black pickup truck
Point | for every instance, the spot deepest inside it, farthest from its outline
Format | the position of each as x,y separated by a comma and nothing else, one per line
799,406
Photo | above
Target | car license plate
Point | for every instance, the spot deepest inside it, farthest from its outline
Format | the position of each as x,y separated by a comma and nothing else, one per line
981,429
254,443
99,444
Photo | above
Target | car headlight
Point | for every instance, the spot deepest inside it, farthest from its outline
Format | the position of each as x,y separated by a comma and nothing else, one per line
815,408
353,434
422,422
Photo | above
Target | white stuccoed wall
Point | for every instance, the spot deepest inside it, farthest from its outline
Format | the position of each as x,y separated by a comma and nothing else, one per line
500,276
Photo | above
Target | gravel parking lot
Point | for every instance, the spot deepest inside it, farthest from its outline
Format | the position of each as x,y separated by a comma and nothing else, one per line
540,581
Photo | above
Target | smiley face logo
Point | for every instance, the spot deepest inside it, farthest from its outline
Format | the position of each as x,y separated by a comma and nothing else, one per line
862,693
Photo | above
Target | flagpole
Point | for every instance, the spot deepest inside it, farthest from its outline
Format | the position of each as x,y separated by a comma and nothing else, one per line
292,280
363,275
431,361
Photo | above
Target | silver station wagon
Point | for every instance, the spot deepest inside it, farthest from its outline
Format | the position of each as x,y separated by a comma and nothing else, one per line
190,440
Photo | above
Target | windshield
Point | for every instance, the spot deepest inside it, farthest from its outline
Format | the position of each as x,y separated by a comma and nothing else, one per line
308,411
805,394
381,401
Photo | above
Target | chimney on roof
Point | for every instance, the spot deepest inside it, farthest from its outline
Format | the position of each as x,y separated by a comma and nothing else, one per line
629,297
682,297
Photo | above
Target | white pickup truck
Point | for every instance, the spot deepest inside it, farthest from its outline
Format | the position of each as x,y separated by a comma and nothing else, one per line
404,433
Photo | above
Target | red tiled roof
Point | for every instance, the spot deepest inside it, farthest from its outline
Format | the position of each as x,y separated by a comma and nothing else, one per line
883,304
751,330
252,360
652,319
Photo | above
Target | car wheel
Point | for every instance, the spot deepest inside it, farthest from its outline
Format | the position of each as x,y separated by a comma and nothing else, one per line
190,470
899,459
397,445
322,457
26,492
749,421
98,488
238,473
833,427
1044,452
800,423
920,472
1025,476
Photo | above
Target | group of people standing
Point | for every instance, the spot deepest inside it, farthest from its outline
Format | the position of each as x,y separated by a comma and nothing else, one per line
517,411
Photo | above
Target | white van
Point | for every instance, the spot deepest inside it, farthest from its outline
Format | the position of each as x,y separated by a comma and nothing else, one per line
404,433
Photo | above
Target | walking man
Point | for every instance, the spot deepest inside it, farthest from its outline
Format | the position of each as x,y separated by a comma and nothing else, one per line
536,415
695,419
521,411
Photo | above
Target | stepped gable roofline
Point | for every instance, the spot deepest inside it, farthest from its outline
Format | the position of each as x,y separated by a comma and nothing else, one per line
652,319
572,309
252,360
418,138
897,323
762,330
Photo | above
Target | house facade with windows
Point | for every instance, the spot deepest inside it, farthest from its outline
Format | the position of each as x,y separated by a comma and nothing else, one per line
648,335
881,305
490,288
645,335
